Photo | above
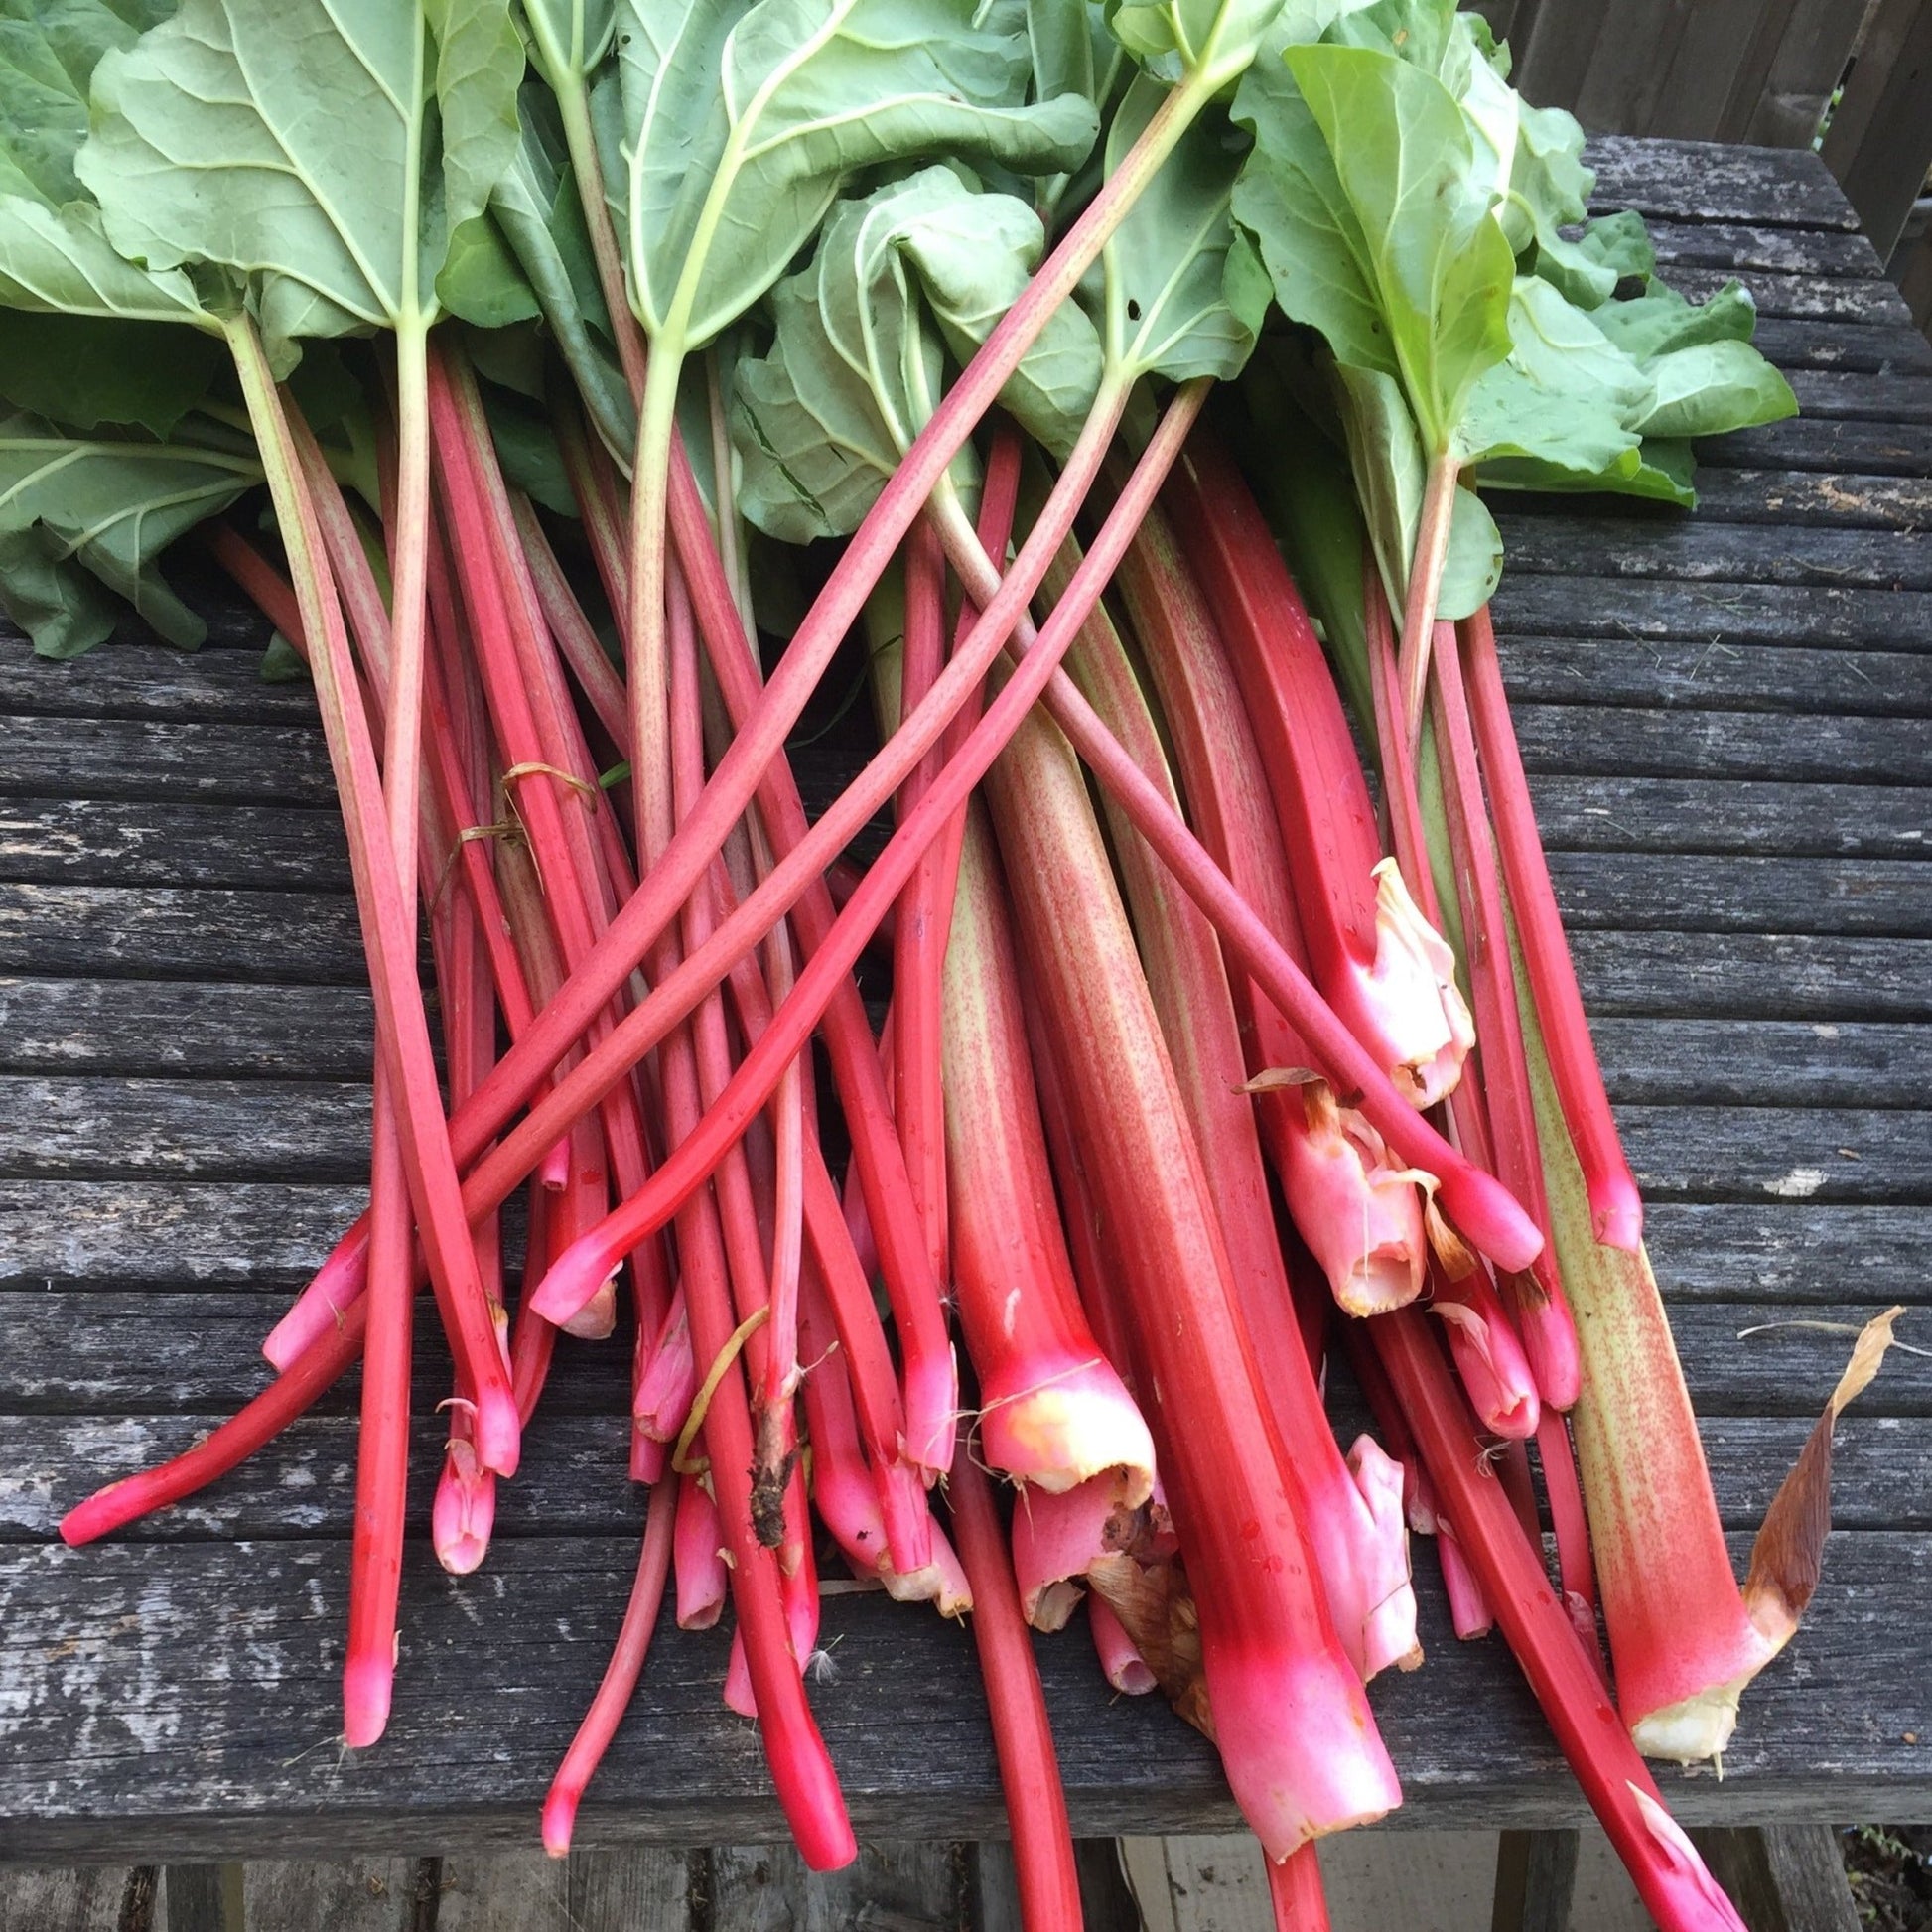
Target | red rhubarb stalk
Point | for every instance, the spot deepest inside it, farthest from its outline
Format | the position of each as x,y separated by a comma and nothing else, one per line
1616,1210
390,925
1029,1772
621,1675
1362,1558
1374,956
1268,1644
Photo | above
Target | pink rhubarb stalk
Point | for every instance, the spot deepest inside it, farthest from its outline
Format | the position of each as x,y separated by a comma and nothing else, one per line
1375,958
1269,1647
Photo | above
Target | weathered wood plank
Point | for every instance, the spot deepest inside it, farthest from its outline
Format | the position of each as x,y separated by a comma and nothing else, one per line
200,1354
1723,743
165,757
1629,892
188,1672
1790,1370
1893,447
1791,1251
93,1898
1818,297
1698,550
1789,498
1741,248
1779,977
1702,180
1535,1879
326,1895
107,841
251,1128
161,932
1876,348
1783,1878
148,681
1746,1062
1733,611
896,1888
176,1232
162,1026
601,1891
1891,399
1714,673
1618,814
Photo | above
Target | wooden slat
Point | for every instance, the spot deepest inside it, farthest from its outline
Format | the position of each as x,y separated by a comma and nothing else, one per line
93,1898
1830,298
589,1891
105,842
1879,142
1790,1370
161,932
1796,497
1695,181
1736,610
1756,1062
148,681
1679,547
262,1129
1628,892
1723,743
911,1887
170,1232
326,1895
1617,814
1746,249
1794,1251
1893,447
1891,399
147,1634
162,1026
156,758
1780,976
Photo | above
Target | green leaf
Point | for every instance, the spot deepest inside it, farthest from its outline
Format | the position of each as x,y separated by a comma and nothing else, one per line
1426,245
482,282
332,184
538,210
1566,396
856,369
1659,471
1711,387
1168,311
1219,38
53,253
738,125
84,518
282,663
570,36
528,449
89,370
1660,320
1588,269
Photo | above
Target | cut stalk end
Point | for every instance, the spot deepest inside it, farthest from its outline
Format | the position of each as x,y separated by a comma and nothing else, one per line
1065,1431
368,1682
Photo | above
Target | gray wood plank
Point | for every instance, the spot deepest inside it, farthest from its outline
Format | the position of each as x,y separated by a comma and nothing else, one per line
1702,673
1746,1062
1593,602
1619,814
1722,745
90,1899
896,1888
1792,1153
1629,892
329,1895
1783,1878
1823,297
1741,248
1694,549
162,932
526,1892
1778,977
166,1027
1790,1251
1536,1876
179,1654
1892,398
1701,181
575,1479
1895,446
156,757
1877,1461
1803,498
108,842
149,681
1790,1370
174,1232
1892,348
308,1130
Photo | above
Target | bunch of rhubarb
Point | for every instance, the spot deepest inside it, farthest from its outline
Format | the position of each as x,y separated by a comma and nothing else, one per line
513,350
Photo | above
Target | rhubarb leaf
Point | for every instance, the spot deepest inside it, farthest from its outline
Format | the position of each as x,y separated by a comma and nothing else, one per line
1221,38
84,522
1711,387
918,266
88,370
332,184
737,127
53,253
1588,269
1166,307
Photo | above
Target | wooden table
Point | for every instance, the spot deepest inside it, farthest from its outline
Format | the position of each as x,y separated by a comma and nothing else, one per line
1725,720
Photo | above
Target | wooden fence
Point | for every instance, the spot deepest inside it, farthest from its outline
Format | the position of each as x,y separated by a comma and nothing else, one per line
1759,70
